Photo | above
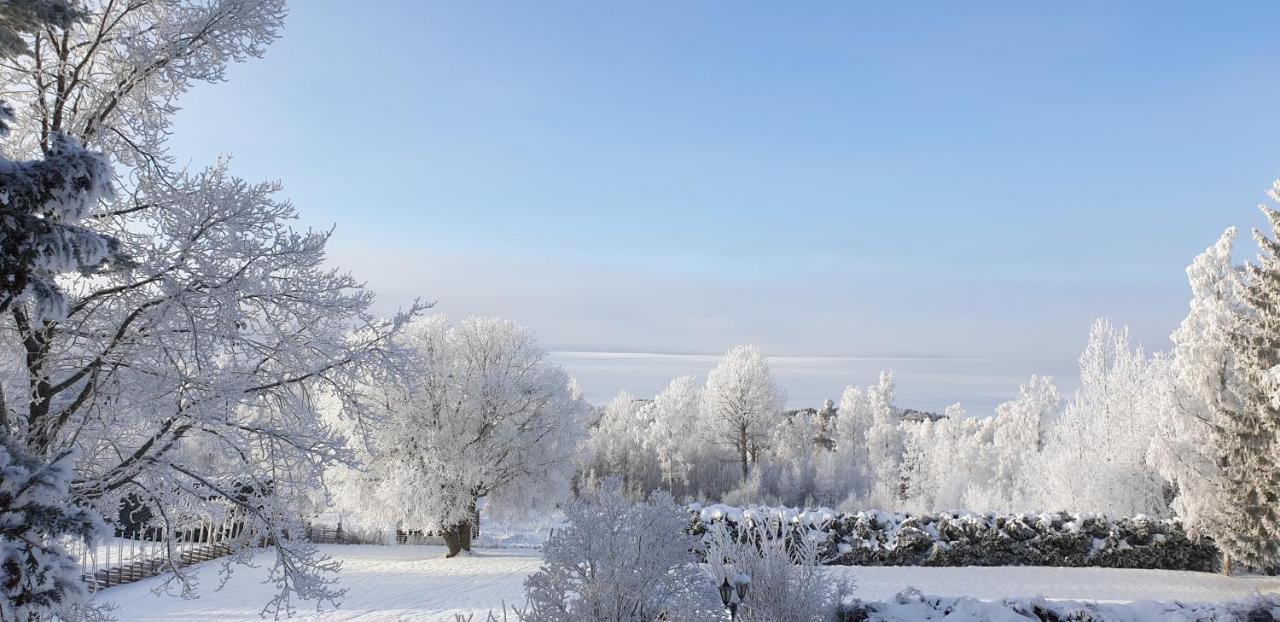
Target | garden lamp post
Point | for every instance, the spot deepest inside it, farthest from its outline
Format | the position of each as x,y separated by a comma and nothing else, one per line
741,583
729,590
726,597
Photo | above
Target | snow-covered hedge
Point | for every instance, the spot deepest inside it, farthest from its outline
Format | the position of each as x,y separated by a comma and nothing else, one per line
966,539
912,605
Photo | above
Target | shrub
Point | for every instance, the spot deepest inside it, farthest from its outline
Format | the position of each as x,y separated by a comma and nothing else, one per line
620,561
787,581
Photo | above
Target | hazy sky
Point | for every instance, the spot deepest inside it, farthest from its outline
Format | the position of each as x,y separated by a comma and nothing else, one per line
954,192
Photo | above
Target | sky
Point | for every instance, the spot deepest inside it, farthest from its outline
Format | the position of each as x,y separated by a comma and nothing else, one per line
953,191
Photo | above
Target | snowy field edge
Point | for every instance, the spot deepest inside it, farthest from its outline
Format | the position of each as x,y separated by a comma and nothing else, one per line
386,583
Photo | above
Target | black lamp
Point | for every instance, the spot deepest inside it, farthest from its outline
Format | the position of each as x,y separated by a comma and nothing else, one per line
726,592
741,583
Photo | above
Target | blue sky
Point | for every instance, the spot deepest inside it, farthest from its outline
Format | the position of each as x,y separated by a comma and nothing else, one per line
959,187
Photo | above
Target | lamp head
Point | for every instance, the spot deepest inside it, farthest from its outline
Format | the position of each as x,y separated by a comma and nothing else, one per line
726,592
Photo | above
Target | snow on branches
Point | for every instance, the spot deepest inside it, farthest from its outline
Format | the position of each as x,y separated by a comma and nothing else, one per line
618,560
190,379
478,412
37,519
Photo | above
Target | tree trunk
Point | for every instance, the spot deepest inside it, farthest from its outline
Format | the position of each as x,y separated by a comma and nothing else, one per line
464,536
742,450
469,527
452,539
1226,563
474,532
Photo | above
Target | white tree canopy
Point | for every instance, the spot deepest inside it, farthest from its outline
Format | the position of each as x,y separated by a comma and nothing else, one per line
741,403
1199,390
480,412
673,436
1096,457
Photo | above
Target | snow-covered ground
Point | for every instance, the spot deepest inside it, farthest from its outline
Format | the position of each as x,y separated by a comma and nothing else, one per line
496,532
415,583
383,582
1097,584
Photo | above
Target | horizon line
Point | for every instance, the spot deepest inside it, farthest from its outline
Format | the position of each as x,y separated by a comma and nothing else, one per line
793,357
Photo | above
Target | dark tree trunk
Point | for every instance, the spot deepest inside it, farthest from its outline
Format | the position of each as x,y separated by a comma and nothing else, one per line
458,536
475,523
452,539
464,535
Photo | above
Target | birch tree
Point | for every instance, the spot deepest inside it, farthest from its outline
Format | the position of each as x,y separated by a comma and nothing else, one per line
619,443
1096,458
741,402
885,443
1021,428
673,435
844,471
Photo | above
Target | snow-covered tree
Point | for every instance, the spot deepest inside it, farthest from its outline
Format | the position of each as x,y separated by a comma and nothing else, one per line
884,442
673,433
42,205
794,459
1199,396
741,402
1021,426
844,471
949,463
39,579
480,413
920,479
1250,527
1096,455
618,444
827,424
864,465
188,380
19,19
44,201
620,561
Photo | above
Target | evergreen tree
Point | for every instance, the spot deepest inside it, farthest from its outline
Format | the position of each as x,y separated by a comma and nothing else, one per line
1251,526
1199,393
39,579
43,201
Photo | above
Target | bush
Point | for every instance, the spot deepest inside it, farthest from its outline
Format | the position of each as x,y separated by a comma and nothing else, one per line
620,561
965,539
786,579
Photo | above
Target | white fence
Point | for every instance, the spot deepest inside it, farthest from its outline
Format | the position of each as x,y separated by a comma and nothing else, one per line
120,560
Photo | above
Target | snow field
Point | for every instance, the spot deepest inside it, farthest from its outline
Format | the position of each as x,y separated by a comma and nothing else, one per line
415,583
